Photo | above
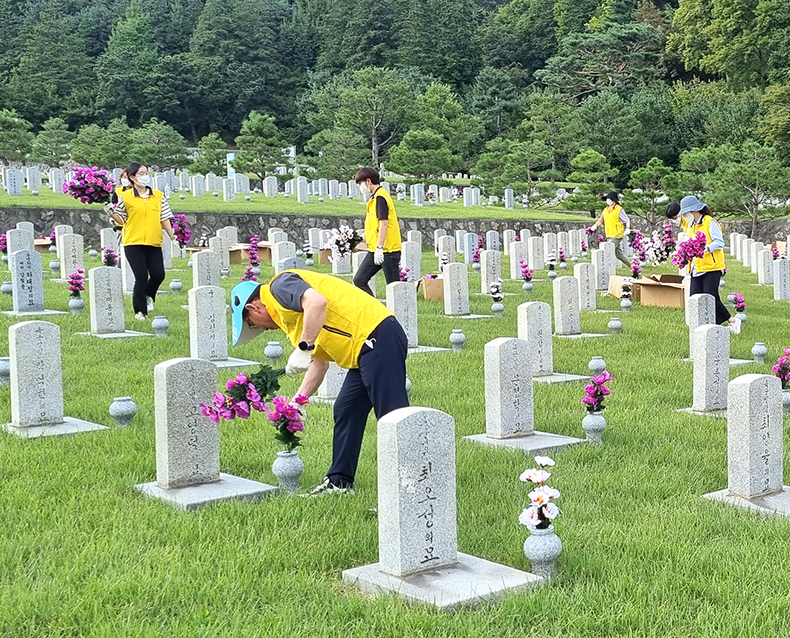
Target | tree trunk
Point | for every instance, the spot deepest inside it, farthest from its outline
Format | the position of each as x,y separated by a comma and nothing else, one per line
553,170
374,145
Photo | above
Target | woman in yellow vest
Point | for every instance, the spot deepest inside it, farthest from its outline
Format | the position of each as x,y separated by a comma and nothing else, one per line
616,224
706,271
145,212
382,233
327,319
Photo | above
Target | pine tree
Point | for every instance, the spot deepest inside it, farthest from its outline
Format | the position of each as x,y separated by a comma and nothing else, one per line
52,145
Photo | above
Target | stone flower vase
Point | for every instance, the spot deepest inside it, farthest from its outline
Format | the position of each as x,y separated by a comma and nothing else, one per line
123,409
759,351
626,304
53,248
785,394
5,371
7,288
527,287
176,285
596,365
288,467
309,262
457,339
497,308
476,266
542,549
54,266
160,325
741,316
594,424
256,270
615,325
563,265
552,274
76,305
273,351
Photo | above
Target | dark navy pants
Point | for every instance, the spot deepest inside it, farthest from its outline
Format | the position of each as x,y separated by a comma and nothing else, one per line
378,383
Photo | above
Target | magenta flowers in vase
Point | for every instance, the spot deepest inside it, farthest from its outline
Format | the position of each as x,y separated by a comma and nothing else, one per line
526,275
109,257
249,274
594,395
782,371
76,286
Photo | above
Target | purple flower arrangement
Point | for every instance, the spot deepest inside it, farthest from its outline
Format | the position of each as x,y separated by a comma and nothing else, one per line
693,247
181,230
480,242
782,368
249,274
77,282
526,271
639,244
3,242
403,273
252,251
542,509
596,392
775,252
740,304
90,185
563,258
287,419
109,257
476,255
636,268
584,245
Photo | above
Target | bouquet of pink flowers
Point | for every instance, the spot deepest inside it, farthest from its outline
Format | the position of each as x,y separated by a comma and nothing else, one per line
3,242
562,255
542,509
637,242
109,257
584,245
740,304
526,271
287,419
252,251
181,230
636,268
476,255
775,252
77,282
403,273
596,392
244,393
693,247
249,274
90,185
782,368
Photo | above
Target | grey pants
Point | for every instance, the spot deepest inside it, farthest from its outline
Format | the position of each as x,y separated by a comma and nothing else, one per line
617,252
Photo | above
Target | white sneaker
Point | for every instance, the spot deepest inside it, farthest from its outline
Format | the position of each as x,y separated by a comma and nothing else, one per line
735,326
150,303
328,488
140,317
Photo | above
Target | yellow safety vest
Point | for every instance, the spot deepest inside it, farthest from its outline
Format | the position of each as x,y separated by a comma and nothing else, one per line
711,261
611,221
351,316
143,218
392,244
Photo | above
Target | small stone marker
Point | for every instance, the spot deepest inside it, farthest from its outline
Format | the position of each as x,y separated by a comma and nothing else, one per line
402,302
754,250
330,386
746,252
231,233
567,320
418,555
106,305
439,232
108,238
601,267
459,241
446,247
282,250
27,284
221,246
206,266
208,327
490,269
550,245
198,185
301,190
508,237
470,243
127,275
19,239
356,261
537,258
456,290
415,236
518,252
765,268
167,251
701,311
563,241
585,275
72,255
271,231
492,240
509,203
411,255
187,443
37,383
228,190
754,446
711,358
575,242
341,265
534,328
782,280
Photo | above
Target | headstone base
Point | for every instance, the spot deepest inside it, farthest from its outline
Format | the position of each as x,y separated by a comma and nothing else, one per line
230,362
733,362
469,582
69,426
722,414
470,316
194,496
488,294
559,377
537,443
426,349
777,504
583,335
126,334
14,313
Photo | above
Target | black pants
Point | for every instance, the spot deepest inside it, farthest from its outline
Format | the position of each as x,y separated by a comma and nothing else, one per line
148,267
708,284
368,269
378,383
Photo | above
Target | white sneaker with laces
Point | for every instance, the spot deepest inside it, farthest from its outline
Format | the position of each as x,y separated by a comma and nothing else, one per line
735,326
150,303
327,487
140,317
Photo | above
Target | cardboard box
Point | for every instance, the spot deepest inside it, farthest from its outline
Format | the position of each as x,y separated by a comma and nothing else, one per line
433,289
664,291
781,246
323,256
240,253
42,245
615,286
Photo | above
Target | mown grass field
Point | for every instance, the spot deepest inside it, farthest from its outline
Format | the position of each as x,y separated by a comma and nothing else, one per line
82,554
288,205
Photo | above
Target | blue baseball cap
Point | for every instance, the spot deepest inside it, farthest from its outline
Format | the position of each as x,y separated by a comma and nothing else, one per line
690,204
239,297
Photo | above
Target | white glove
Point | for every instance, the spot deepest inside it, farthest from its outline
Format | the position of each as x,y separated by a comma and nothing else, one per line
298,362
378,256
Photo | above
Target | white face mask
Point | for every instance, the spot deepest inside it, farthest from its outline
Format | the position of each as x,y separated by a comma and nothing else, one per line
125,182
144,180
609,202
689,217
363,188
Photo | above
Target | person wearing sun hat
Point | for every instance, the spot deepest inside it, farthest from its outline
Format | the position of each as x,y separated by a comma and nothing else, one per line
327,319
706,271
616,223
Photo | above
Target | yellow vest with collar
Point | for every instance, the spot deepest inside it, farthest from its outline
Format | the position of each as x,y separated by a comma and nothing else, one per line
710,261
351,316
611,221
392,244
143,218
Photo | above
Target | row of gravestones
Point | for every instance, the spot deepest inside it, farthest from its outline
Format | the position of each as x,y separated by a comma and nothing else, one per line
759,258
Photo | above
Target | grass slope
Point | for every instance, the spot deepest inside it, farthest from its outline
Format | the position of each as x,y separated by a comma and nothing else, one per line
282,205
82,554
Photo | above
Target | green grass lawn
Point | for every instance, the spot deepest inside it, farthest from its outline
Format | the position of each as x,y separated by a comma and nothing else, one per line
282,205
83,554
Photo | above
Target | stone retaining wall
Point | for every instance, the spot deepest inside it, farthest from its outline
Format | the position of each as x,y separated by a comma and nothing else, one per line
89,223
